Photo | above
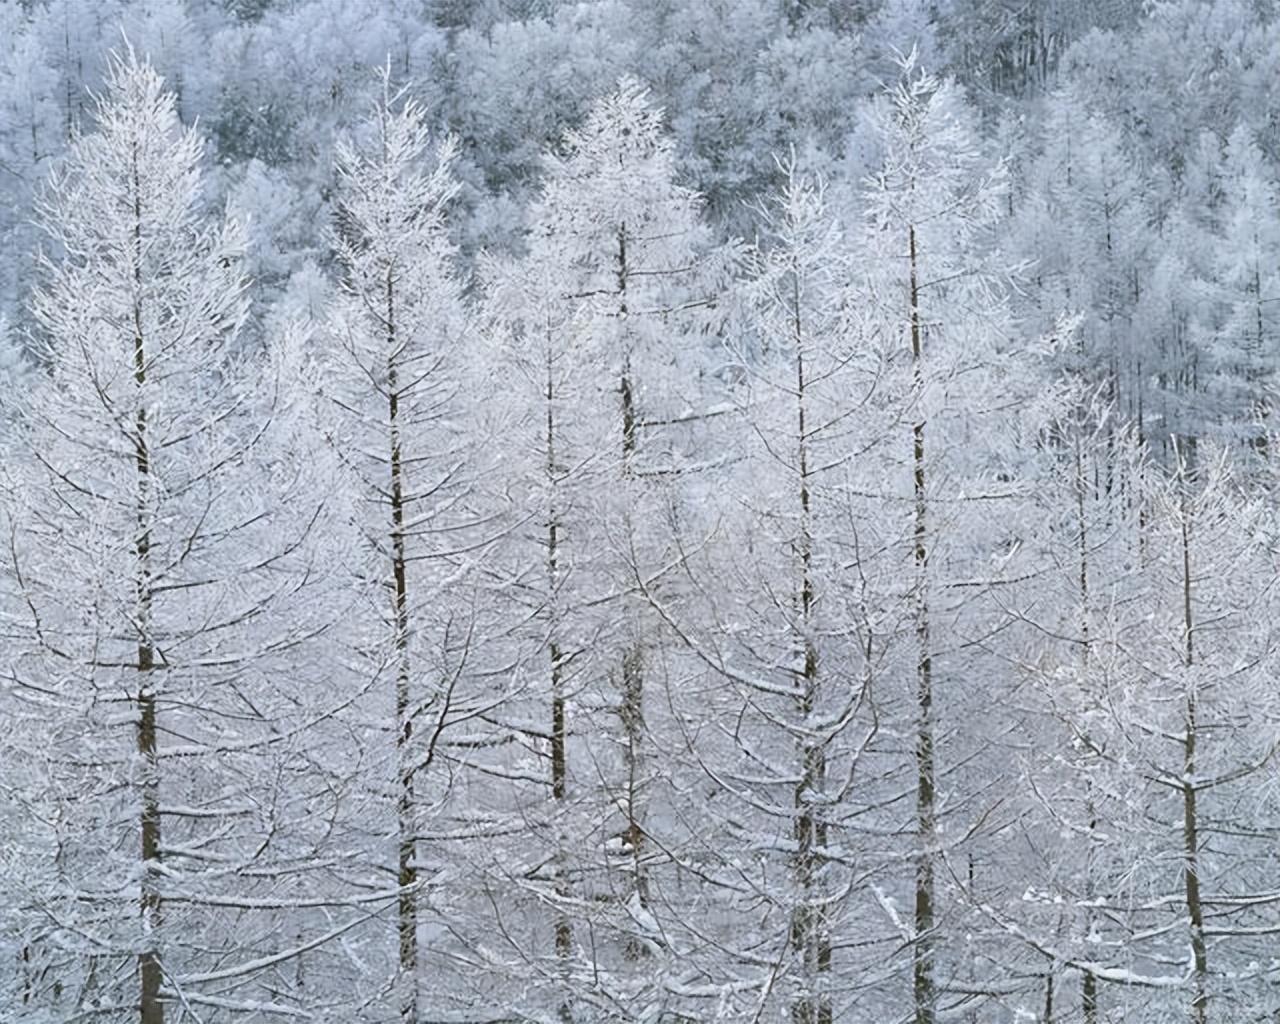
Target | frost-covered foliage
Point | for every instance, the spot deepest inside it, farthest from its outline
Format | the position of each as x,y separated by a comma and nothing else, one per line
639,511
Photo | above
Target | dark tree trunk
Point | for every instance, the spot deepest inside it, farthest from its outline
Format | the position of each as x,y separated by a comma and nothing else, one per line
150,972
407,873
926,824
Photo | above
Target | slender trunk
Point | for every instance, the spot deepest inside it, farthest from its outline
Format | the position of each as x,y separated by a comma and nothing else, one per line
150,973
69,98
926,824
628,399
809,936
559,765
1089,997
633,727
632,710
1262,404
1089,982
407,877
1190,819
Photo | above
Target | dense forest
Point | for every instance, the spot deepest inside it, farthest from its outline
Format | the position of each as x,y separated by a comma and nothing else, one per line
639,511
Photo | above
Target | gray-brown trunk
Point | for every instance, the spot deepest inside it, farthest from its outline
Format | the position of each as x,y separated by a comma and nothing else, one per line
559,727
1190,817
407,871
632,708
1089,982
809,936
923,987
150,973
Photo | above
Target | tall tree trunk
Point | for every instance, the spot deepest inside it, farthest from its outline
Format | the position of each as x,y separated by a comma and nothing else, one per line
1190,819
1260,399
150,973
809,936
632,710
926,824
407,876
559,763
1089,982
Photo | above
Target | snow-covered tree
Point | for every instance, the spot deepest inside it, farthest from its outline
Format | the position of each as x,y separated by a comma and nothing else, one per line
784,617
1247,286
1085,225
966,394
159,560
396,368
608,316
625,632
31,134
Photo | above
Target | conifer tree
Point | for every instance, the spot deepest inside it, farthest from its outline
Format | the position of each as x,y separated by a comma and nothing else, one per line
392,380
937,285
161,561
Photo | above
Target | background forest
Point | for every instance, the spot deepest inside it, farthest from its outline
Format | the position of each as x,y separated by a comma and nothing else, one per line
639,511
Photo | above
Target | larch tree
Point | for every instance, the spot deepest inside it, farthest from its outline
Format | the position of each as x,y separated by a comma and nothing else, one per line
1246,288
30,136
783,613
551,475
161,564
1175,311
969,401
393,369
1204,667
792,294
608,317
626,633
1159,910
638,275
1074,609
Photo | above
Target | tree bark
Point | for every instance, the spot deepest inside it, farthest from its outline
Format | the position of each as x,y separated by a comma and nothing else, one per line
809,936
632,709
559,728
926,825
150,973
1190,818
407,874
1089,982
